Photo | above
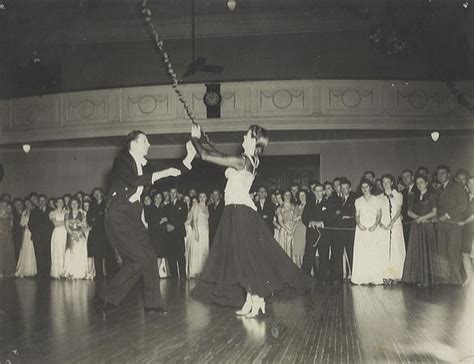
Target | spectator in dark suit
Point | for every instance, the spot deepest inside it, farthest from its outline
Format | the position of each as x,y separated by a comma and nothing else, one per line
343,239
176,213
266,208
408,192
215,213
41,229
294,189
452,205
316,215
98,245
336,183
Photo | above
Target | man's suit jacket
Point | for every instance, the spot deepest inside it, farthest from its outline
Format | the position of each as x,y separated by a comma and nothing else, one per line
215,213
325,211
125,179
177,214
267,213
452,200
407,196
40,226
345,211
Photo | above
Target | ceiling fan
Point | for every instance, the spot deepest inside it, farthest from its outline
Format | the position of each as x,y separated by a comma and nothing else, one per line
198,63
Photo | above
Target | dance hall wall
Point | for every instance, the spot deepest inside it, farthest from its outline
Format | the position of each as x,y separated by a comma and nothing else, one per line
59,171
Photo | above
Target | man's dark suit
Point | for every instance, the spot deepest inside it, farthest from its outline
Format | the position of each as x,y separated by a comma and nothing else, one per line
41,229
452,200
323,211
215,213
177,212
98,245
267,213
343,239
407,195
129,236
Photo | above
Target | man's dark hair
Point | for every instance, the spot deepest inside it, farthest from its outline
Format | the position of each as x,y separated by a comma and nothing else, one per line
327,183
422,168
444,167
133,136
407,171
337,179
345,181
462,172
369,172
318,184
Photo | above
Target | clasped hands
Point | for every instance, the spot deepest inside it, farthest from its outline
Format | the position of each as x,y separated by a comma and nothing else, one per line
316,224
363,228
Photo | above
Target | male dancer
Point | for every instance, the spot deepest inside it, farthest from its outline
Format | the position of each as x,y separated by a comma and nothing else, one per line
124,222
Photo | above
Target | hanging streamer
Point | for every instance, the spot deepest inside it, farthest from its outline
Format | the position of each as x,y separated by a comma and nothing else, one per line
169,69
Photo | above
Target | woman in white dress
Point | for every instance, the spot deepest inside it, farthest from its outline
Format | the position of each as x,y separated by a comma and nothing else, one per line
285,215
190,202
276,223
199,247
392,240
26,266
75,259
367,268
58,239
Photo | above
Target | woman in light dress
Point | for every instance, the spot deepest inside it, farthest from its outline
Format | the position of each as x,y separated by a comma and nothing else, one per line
75,259
285,216
26,266
199,247
190,202
392,240
367,267
276,224
299,241
58,239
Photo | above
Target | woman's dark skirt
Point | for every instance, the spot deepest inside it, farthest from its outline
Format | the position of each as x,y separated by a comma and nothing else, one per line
246,258
422,263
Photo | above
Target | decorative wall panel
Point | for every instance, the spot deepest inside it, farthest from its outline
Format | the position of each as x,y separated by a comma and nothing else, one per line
350,97
233,100
415,98
148,103
36,112
91,107
281,105
282,98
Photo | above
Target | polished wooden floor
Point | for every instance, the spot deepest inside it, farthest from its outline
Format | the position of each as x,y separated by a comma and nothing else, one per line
55,322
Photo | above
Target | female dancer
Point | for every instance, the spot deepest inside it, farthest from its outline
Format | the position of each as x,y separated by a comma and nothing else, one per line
244,256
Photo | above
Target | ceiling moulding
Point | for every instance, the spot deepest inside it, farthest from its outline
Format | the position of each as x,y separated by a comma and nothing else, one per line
277,105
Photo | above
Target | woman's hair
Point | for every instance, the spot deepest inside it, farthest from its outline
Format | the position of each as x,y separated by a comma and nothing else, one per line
367,182
298,195
261,138
77,201
429,187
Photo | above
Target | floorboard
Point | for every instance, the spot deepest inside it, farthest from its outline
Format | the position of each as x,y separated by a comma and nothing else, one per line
55,322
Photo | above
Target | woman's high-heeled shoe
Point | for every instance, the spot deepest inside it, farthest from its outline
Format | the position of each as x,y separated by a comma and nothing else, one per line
246,308
258,304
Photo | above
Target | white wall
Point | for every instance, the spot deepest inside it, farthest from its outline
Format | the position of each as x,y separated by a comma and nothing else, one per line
59,171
